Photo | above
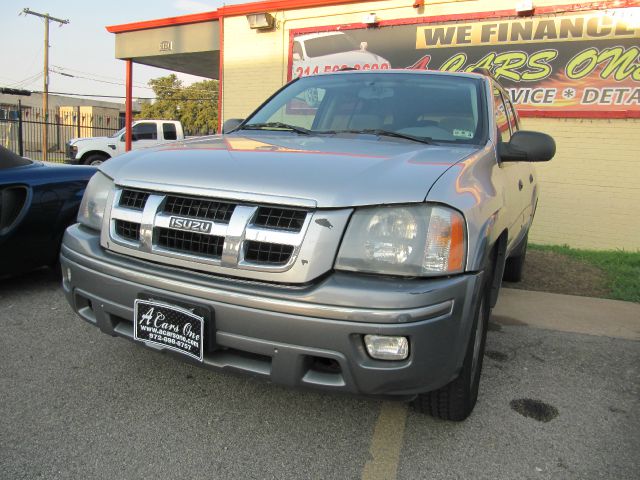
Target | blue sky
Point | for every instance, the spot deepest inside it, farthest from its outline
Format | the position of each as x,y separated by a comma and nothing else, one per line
83,47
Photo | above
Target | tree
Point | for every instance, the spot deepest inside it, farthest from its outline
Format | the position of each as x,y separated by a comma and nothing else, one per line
196,105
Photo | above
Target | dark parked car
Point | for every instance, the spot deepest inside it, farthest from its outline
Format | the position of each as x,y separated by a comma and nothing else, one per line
38,201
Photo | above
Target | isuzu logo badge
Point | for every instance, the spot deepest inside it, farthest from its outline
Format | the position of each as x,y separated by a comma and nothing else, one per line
190,225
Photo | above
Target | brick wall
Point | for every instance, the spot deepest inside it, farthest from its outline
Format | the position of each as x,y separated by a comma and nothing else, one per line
253,66
590,192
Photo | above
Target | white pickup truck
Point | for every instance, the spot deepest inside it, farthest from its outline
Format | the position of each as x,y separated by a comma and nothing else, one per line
146,133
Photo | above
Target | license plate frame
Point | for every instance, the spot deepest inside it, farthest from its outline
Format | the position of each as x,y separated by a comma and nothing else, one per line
165,324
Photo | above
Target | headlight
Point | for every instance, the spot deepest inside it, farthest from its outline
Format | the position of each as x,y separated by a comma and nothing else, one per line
412,241
94,201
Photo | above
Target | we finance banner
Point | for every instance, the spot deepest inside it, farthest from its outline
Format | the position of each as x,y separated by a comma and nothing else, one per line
572,62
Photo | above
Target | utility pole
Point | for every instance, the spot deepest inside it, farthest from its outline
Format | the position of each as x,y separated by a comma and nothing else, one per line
45,95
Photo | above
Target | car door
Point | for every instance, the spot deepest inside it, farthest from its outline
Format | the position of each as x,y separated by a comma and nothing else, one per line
117,144
144,134
513,172
529,191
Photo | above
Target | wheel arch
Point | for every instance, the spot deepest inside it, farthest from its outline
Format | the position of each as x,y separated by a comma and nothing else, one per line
86,155
499,256
491,255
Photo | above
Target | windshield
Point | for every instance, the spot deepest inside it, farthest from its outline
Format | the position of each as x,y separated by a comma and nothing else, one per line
437,108
8,159
329,44
118,133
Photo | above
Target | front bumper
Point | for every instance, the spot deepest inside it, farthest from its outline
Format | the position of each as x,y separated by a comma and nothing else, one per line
298,336
70,155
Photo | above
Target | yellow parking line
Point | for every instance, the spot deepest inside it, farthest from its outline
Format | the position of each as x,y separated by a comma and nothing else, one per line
386,442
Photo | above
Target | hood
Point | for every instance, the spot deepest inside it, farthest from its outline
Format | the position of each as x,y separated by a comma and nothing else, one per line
328,171
73,141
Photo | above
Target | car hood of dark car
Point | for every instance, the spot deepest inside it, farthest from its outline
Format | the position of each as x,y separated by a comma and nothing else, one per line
325,171
37,173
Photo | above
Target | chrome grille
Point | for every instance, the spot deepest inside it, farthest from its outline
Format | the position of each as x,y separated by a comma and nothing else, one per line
280,218
269,253
198,231
199,208
190,242
128,230
133,199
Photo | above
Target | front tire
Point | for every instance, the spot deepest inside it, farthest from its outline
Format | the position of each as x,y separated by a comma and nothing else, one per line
95,159
456,400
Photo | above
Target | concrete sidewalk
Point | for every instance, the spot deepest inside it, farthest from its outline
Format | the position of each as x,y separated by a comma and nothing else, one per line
568,313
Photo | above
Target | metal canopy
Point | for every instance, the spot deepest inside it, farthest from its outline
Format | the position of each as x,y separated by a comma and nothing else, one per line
192,48
203,64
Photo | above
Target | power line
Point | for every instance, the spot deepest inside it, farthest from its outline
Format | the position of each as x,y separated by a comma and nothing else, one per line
27,81
213,96
96,75
95,79
120,82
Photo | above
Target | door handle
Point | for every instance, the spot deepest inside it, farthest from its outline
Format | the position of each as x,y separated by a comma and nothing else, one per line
520,185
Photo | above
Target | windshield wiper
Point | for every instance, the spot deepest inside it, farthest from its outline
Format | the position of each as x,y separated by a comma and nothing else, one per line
380,132
275,126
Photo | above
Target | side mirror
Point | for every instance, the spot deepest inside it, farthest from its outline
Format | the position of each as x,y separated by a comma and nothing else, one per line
364,45
296,56
527,146
231,124
122,137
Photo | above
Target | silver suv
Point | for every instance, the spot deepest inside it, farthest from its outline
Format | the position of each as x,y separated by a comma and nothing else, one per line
351,234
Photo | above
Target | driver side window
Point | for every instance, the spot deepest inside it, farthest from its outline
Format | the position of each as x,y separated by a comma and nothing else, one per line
145,131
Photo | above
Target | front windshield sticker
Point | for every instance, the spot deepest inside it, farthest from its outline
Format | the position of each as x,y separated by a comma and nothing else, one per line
462,133
566,62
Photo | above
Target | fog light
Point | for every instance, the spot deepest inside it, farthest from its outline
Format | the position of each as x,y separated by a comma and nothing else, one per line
383,347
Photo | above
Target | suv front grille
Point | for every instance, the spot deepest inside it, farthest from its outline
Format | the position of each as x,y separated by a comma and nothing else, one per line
133,199
199,208
128,230
280,218
190,242
267,253
205,233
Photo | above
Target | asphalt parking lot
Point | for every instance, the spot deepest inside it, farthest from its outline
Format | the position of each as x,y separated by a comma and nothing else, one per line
75,403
